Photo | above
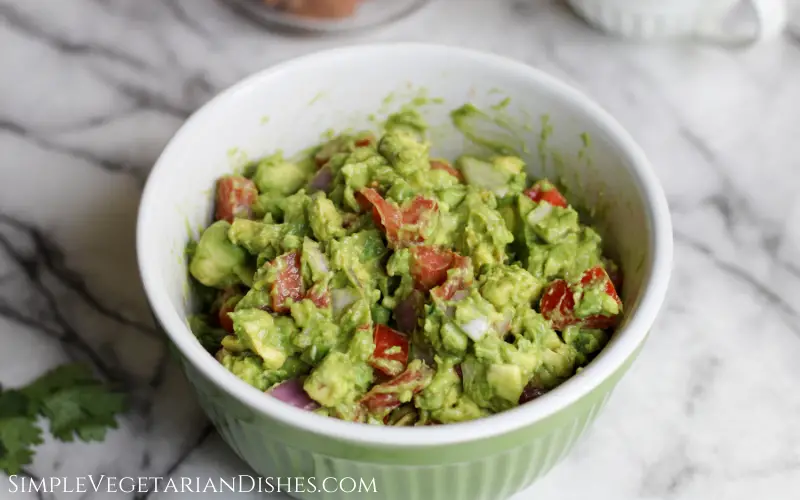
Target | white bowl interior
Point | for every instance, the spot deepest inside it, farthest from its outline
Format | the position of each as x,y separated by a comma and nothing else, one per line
290,107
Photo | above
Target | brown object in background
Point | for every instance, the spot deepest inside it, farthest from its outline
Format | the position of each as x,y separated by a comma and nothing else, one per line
317,8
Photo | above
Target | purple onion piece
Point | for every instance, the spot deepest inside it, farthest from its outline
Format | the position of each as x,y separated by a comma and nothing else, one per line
407,312
322,180
530,393
291,392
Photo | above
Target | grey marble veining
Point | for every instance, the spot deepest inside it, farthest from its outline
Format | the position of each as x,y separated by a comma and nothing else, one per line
91,91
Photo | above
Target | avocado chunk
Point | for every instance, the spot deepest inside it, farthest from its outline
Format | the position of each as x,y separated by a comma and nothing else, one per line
254,236
217,262
279,176
268,337
325,220
510,285
502,175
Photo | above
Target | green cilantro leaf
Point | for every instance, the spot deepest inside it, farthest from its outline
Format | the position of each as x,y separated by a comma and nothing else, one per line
76,403
18,431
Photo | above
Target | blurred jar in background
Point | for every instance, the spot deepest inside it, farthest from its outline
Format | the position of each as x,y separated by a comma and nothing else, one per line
329,15
321,9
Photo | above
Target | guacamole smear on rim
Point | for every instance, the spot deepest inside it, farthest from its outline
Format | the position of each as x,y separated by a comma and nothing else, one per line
369,282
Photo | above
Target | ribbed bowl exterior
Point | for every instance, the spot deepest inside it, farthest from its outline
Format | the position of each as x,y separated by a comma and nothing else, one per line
492,469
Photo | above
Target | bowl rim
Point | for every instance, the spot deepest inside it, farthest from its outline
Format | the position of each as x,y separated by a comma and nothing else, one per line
658,268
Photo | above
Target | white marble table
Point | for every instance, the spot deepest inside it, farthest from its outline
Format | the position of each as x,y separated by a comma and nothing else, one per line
91,90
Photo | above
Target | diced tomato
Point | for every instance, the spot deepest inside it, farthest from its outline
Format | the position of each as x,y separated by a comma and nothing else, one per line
365,141
386,215
391,218
384,398
381,402
320,296
545,191
230,297
443,165
457,368
456,281
386,338
289,282
416,210
598,275
235,194
225,321
429,266
363,202
558,302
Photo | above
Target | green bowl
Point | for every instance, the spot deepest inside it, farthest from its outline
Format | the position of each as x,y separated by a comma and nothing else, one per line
289,107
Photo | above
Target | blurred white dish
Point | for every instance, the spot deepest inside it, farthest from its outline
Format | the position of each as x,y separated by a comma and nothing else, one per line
700,19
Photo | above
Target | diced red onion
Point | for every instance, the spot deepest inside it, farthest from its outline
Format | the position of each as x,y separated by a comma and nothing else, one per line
459,295
407,312
322,180
291,392
477,328
530,393
341,298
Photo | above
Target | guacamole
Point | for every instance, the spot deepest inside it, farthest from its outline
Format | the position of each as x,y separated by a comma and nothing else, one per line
369,282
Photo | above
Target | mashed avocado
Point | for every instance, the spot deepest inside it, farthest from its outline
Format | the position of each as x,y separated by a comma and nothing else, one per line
400,289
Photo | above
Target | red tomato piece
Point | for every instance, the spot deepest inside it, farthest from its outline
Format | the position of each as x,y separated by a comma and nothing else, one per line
387,216
320,296
228,300
557,304
383,398
386,338
289,283
558,301
615,275
443,165
235,194
415,211
429,266
381,402
391,219
544,191
363,202
225,321
598,275
457,282
363,142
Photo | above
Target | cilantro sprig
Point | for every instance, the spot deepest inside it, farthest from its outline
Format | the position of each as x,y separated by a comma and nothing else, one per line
73,401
